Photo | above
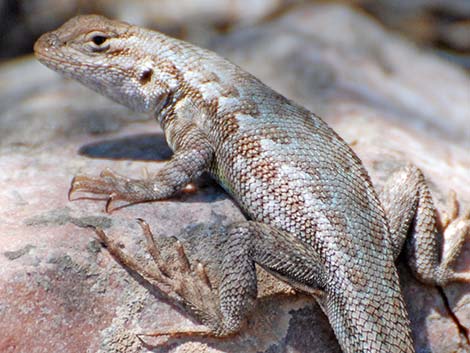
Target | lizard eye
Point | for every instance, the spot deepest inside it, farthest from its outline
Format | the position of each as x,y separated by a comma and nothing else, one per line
98,42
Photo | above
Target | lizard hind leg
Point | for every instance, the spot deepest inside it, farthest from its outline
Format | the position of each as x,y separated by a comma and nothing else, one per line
222,293
216,279
180,277
414,225
190,280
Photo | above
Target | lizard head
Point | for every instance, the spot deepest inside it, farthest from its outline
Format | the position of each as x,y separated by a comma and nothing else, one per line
111,57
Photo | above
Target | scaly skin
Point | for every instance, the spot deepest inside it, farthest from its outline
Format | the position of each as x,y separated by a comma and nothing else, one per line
315,220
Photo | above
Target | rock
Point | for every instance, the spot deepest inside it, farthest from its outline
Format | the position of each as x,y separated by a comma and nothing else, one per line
62,292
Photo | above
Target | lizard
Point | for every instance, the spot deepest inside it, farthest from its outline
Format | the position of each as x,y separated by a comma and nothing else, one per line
313,217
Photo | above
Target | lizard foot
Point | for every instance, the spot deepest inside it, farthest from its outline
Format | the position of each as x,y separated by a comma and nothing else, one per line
184,281
115,186
456,228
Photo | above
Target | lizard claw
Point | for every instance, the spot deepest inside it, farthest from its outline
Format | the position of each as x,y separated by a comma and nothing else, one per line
109,201
71,189
182,258
108,183
108,173
78,182
86,184
201,272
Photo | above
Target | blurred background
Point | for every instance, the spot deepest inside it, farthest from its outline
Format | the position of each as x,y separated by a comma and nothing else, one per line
441,25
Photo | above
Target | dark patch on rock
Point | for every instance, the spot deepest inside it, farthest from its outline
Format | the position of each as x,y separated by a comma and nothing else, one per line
300,336
13,255
94,247
64,262
92,221
58,217
276,348
61,216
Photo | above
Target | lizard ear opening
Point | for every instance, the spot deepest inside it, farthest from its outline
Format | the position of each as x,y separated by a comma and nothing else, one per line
146,76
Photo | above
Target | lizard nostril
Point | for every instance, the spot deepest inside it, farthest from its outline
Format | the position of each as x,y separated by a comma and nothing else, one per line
54,40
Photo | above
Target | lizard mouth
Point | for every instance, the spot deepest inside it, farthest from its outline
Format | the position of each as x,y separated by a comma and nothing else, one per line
46,52
52,62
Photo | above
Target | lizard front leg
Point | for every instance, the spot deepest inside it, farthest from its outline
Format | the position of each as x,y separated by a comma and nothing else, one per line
414,226
193,155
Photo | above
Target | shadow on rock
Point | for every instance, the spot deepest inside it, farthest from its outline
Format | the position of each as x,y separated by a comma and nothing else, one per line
143,147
